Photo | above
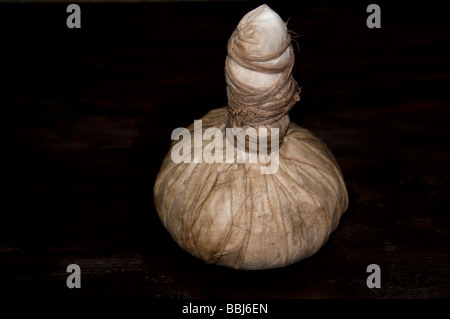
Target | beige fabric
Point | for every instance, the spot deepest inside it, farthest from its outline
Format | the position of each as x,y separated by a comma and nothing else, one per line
232,215
260,33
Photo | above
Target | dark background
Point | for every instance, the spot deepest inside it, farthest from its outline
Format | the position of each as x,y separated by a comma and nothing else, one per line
86,118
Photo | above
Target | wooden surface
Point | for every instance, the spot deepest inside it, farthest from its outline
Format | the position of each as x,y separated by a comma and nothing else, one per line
86,118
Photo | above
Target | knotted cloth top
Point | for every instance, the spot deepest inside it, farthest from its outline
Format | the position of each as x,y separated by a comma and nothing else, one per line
249,106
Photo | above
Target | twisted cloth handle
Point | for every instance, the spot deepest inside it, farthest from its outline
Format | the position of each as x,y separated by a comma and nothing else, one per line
249,106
